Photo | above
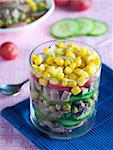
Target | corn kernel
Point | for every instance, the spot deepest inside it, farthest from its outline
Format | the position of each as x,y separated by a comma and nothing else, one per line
60,45
64,82
42,67
53,81
33,56
49,60
59,51
75,90
81,81
81,73
43,81
60,75
42,5
78,61
91,69
51,70
68,70
38,60
75,109
73,66
32,5
72,76
46,51
97,61
59,69
38,70
67,107
67,62
78,71
70,54
91,57
34,66
72,83
46,75
83,51
59,61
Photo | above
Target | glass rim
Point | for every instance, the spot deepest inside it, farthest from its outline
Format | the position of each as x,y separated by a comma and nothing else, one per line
65,40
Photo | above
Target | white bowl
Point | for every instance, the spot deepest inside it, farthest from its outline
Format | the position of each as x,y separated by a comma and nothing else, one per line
51,6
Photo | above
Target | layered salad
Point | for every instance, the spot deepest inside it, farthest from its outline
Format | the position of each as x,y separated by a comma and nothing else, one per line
64,87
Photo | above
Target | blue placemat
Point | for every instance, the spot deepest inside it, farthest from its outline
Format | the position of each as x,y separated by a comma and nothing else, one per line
99,138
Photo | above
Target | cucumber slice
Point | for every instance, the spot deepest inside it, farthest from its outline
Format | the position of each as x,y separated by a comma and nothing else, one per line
100,28
65,28
82,96
69,123
85,24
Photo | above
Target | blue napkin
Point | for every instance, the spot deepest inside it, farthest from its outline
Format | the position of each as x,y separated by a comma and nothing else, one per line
99,138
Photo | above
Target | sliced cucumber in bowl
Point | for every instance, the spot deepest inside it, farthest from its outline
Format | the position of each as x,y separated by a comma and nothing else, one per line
65,28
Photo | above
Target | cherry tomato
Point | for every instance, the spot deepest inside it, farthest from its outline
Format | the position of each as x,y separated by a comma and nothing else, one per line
9,51
79,5
61,3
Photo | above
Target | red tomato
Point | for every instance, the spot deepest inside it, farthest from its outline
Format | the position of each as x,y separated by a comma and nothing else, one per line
61,3
80,5
9,51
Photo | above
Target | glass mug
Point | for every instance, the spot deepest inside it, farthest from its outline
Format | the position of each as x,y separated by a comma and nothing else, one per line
54,110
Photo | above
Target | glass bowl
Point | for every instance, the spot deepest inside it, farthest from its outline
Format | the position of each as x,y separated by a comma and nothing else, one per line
54,110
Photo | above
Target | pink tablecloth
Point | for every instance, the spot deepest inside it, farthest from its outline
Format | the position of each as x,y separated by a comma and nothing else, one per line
18,70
